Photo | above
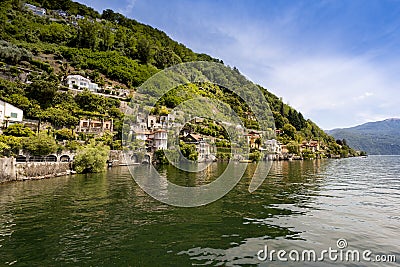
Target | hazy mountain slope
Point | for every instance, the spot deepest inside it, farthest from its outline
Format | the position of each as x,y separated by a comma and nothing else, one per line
376,138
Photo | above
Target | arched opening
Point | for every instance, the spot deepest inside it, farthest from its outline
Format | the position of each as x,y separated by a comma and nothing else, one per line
135,159
65,158
146,159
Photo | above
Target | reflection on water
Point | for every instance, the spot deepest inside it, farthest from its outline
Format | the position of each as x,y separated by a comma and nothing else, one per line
107,220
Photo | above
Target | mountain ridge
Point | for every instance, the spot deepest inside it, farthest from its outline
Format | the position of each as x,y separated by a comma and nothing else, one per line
379,137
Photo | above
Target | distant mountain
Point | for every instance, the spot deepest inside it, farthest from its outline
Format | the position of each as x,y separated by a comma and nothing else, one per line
376,138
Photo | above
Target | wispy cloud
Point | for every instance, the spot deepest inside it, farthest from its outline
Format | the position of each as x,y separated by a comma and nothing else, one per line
128,8
319,77
335,61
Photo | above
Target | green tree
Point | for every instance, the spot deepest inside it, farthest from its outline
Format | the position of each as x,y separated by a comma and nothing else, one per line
289,130
14,143
282,109
88,34
189,151
107,37
91,158
43,92
59,117
279,120
91,102
293,147
255,156
143,50
18,130
3,148
165,58
308,154
65,134
40,145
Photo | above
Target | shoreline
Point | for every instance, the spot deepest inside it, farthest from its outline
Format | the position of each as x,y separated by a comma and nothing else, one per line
53,173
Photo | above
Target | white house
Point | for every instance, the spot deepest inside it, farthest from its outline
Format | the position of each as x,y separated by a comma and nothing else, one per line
36,10
9,114
160,139
202,147
139,135
274,146
151,121
80,82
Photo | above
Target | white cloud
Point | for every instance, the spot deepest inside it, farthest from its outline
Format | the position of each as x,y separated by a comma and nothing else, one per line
130,4
315,80
331,76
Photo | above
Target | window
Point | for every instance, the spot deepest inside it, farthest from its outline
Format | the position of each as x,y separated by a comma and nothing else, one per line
14,115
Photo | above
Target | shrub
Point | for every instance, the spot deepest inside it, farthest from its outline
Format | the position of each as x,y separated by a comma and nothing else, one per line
13,144
160,157
65,134
3,148
40,145
18,130
13,54
42,65
255,156
91,158
308,154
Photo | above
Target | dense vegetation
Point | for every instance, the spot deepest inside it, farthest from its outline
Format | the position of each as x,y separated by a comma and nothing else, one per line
108,48
91,158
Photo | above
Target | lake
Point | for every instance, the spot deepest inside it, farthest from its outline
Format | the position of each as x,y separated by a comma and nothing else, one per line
107,220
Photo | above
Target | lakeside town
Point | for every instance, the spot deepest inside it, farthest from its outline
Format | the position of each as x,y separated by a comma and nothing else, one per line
64,94
187,133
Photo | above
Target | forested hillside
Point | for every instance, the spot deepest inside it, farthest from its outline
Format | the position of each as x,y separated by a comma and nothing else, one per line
376,138
112,50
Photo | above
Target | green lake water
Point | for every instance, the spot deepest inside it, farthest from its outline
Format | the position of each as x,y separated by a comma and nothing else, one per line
107,220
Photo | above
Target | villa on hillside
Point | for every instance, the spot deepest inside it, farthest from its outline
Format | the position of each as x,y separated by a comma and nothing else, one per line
154,140
36,10
202,147
9,114
273,146
311,145
160,139
79,82
95,126
251,138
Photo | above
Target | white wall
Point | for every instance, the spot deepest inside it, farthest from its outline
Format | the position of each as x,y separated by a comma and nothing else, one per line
7,110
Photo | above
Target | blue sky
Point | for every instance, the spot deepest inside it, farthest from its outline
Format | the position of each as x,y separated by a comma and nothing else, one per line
338,62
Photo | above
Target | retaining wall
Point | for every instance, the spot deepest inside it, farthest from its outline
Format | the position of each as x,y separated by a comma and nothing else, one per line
41,170
7,169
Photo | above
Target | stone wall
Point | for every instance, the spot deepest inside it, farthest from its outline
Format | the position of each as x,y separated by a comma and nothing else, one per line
40,170
116,157
7,169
